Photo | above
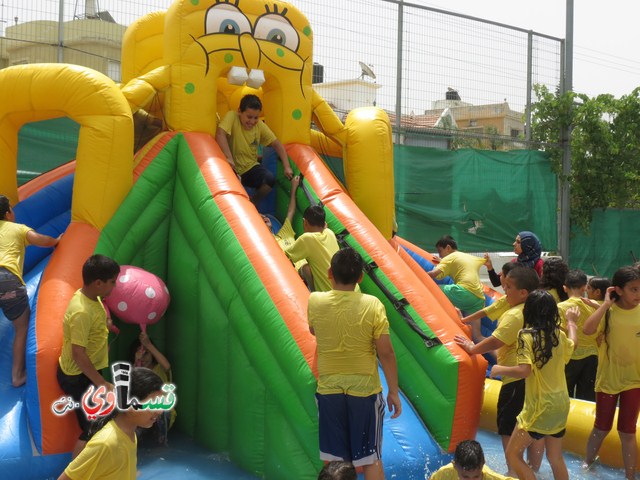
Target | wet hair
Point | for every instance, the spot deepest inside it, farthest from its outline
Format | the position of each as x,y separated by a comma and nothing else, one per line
338,470
576,278
142,383
507,267
5,206
554,271
315,216
542,322
524,278
469,455
250,102
600,283
346,266
99,267
447,241
622,276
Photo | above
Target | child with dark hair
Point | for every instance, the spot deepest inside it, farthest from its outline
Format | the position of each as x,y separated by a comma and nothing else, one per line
618,375
466,291
597,288
543,351
581,369
352,333
554,271
111,451
84,336
468,463
338,471
146,354
316,245
14,302
519,283
245,131
493,311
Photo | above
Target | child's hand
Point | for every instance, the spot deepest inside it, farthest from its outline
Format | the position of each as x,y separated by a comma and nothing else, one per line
144,339
488,263
464,343
572,315
589,302
495,372
459,313
287,170
295,182
608,299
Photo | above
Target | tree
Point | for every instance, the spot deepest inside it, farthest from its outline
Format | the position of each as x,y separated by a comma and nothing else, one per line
605,147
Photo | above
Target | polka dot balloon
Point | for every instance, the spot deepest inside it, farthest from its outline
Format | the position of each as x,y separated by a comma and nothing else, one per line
139,297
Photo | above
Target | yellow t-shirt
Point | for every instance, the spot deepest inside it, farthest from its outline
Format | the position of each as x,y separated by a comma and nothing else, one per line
448,472
509,324
497,308
554,294
463,269
109,455
619,352
317,248
546,399
244,143
346,326
587,344
13,241
84,324
287,237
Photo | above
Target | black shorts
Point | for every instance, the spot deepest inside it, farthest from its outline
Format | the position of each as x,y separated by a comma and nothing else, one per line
258,176
76,386
13,295
538,436
510,403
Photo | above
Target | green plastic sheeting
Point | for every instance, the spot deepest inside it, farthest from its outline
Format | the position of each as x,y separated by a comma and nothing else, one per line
612,242
482,198
243,385
45,145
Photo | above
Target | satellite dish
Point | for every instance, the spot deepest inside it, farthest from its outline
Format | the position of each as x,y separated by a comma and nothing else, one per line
366,70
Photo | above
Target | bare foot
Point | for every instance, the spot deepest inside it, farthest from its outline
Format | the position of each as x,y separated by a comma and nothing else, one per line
19,380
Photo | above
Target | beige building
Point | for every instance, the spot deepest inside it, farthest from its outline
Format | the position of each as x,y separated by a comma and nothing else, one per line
90,42
494,118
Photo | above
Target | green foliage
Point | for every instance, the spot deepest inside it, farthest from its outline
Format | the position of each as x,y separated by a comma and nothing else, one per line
605,147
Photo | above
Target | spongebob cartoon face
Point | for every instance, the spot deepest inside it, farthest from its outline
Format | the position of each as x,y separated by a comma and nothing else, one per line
218,50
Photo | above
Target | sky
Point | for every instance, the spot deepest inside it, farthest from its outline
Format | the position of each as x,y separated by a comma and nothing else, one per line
606,35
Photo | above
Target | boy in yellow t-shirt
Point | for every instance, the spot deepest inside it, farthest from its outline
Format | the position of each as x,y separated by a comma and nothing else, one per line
581,369
239,134
316,245
519,283
351,330
468,463
84,337
14,302
466,291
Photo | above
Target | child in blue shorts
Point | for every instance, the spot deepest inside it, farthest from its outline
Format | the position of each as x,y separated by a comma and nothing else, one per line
352,332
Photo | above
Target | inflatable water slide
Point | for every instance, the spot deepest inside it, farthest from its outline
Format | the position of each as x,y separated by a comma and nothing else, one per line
236,332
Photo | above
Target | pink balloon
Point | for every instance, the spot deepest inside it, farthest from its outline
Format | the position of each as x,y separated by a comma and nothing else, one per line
139,297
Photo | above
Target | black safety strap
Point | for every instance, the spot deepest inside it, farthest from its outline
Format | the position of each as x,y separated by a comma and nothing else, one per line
399,304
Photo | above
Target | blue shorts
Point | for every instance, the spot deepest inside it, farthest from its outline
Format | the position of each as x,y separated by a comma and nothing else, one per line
350,428
13,295
257,176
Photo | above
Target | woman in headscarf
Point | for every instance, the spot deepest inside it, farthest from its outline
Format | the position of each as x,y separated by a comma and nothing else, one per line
528,248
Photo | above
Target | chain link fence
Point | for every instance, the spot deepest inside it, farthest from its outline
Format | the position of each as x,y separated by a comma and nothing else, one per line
447,80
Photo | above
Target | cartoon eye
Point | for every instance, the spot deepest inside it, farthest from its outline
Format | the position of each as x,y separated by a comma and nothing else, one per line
277,29
226,18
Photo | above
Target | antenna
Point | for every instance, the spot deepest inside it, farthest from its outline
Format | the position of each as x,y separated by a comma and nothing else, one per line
366,70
